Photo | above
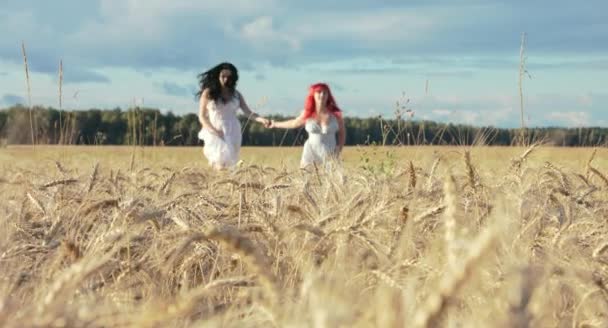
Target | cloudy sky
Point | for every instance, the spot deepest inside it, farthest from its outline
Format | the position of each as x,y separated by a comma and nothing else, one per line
456,60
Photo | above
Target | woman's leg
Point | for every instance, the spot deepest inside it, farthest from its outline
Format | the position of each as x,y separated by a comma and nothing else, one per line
218,166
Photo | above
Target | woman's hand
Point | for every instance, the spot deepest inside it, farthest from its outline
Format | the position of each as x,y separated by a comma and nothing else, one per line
265,122
218,133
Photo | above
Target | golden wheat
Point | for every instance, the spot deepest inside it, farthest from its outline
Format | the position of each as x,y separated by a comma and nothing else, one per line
164,245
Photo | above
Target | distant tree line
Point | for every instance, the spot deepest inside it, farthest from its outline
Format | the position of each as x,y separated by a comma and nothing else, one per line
148,126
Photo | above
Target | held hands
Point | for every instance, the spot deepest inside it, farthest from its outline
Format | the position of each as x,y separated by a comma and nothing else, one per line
266,122
219,133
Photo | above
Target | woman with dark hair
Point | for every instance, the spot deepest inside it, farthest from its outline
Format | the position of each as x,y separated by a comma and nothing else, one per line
322,119
219,102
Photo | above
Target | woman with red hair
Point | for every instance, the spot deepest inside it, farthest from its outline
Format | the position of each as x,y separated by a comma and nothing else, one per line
322,119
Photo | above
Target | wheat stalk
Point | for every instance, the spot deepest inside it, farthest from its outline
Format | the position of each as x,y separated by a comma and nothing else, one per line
36,203
437,302
429,183
100,204
451,200
70,278
164,188
29,92
599,174
247,249
412,174
470,170
60,100
517,163
93,178
57,183
591,158
430,213
522,72
597,253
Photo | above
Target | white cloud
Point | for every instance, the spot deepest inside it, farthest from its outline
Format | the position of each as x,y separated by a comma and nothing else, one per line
585,100
17,21
163,8
21,26
441,112
122,21
486,117
370,26
141,21
493,109
466,116
571,119
262,34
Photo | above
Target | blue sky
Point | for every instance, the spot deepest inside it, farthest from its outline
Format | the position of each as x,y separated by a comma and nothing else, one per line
120,52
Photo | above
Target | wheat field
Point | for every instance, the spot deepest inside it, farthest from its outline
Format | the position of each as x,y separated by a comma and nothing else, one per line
397,237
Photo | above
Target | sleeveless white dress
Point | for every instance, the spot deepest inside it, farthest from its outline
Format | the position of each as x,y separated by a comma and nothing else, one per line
321,144
223,116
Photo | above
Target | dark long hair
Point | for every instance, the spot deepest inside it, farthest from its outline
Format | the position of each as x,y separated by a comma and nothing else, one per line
211,80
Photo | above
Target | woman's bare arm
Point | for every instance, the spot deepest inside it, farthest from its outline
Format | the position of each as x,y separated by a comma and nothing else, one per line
203,115
341,133
245,108
289,124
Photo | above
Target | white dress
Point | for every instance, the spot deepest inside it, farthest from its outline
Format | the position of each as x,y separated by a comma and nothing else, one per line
321,144
223,117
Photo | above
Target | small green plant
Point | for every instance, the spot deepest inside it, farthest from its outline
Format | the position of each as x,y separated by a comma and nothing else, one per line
377,159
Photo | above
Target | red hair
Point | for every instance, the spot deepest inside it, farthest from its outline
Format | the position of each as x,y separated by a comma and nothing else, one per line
309,103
